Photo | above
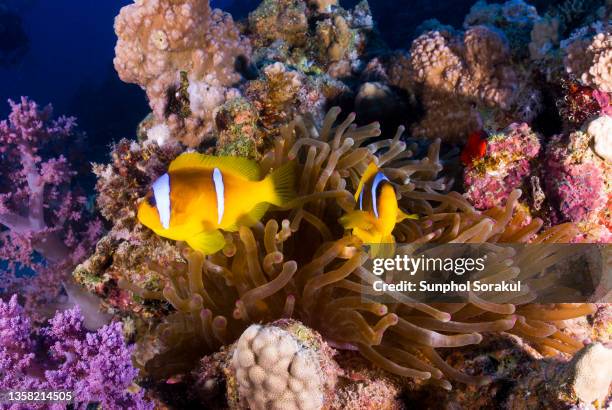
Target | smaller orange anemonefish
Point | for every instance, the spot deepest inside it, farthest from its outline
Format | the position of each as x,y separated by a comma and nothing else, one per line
378,211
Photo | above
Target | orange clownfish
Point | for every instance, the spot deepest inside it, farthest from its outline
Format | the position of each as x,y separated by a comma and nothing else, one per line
475,148
202,194
378,211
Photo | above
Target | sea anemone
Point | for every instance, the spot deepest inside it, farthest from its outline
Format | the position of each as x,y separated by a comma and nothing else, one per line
299,263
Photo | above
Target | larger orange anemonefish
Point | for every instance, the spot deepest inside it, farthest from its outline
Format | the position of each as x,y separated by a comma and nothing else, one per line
202,194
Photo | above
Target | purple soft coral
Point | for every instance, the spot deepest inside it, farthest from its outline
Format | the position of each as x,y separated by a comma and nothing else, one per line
39,213
96,367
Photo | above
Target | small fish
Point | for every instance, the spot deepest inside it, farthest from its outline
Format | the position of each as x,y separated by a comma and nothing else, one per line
202,194
475,148
378,211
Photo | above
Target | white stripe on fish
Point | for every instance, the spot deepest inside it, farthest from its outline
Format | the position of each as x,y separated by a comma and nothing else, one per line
380,177
161,191
220,190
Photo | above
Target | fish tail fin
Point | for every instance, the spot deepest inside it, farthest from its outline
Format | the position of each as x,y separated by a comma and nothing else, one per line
282,184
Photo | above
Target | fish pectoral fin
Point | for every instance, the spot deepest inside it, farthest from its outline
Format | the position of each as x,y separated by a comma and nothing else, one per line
254,215
402,215
244,167
357,219
207,242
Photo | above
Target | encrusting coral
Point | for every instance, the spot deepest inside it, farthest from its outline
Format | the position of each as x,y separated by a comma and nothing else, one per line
299,263
505,167
578,182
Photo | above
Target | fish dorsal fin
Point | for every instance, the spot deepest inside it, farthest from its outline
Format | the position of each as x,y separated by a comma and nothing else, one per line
369,173
234,165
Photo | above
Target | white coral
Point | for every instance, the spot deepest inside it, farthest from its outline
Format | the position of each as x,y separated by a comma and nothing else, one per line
274,371
600,129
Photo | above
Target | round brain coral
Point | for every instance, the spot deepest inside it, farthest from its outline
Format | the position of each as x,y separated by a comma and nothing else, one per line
277,370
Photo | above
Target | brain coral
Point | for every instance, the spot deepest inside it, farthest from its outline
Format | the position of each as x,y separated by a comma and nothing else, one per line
277,367
158,40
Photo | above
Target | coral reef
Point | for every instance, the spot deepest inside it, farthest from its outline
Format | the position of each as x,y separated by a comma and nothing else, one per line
509,121
263,274
44,224
95,367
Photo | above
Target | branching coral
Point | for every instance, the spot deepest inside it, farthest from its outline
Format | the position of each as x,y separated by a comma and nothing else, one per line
184,55
95,367
44,224
299,263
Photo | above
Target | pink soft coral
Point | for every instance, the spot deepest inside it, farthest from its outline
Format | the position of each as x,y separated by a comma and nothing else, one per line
44,226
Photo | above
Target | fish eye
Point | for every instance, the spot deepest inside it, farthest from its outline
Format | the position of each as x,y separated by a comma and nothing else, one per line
151,198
